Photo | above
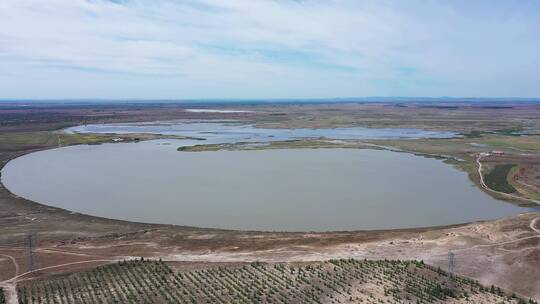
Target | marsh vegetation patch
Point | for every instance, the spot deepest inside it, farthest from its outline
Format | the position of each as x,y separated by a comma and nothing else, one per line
497,178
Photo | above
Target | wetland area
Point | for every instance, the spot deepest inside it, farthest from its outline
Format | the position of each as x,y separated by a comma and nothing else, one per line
269,190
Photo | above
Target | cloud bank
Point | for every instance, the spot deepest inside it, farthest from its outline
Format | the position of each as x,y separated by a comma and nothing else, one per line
268,49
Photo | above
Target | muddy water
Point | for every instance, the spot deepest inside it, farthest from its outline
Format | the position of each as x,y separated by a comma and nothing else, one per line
282,190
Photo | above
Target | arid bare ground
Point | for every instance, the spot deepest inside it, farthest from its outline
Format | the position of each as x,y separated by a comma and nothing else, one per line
504,252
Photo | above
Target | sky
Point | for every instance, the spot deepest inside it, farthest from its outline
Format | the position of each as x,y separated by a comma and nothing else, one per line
223,49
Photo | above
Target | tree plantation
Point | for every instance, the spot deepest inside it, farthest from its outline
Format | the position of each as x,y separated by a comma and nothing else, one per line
334,281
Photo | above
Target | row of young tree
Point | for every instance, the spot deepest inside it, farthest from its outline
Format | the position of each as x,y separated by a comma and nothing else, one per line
334,281
2,296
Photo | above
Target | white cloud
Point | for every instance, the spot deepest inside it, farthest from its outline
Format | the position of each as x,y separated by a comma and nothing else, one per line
256,48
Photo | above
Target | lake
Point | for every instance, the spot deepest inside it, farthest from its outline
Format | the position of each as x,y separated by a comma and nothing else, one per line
233,131
273,190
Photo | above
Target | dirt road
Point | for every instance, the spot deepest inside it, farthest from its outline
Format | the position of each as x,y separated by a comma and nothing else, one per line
14,261
483,183
10,285
534,224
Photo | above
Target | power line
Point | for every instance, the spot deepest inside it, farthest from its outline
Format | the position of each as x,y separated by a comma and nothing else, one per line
451,264
30,239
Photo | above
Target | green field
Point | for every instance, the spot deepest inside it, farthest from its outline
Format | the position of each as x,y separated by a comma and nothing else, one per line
497,180
47,138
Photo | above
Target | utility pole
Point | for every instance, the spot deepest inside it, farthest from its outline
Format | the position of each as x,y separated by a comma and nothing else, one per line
30,252
451,264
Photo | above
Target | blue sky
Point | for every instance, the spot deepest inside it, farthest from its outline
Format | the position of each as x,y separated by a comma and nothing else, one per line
268,49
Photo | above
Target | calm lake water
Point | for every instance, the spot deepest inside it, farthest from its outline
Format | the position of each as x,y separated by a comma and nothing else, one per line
281,190
229,132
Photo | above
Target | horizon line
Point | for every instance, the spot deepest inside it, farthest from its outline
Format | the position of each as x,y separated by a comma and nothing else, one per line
259,99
